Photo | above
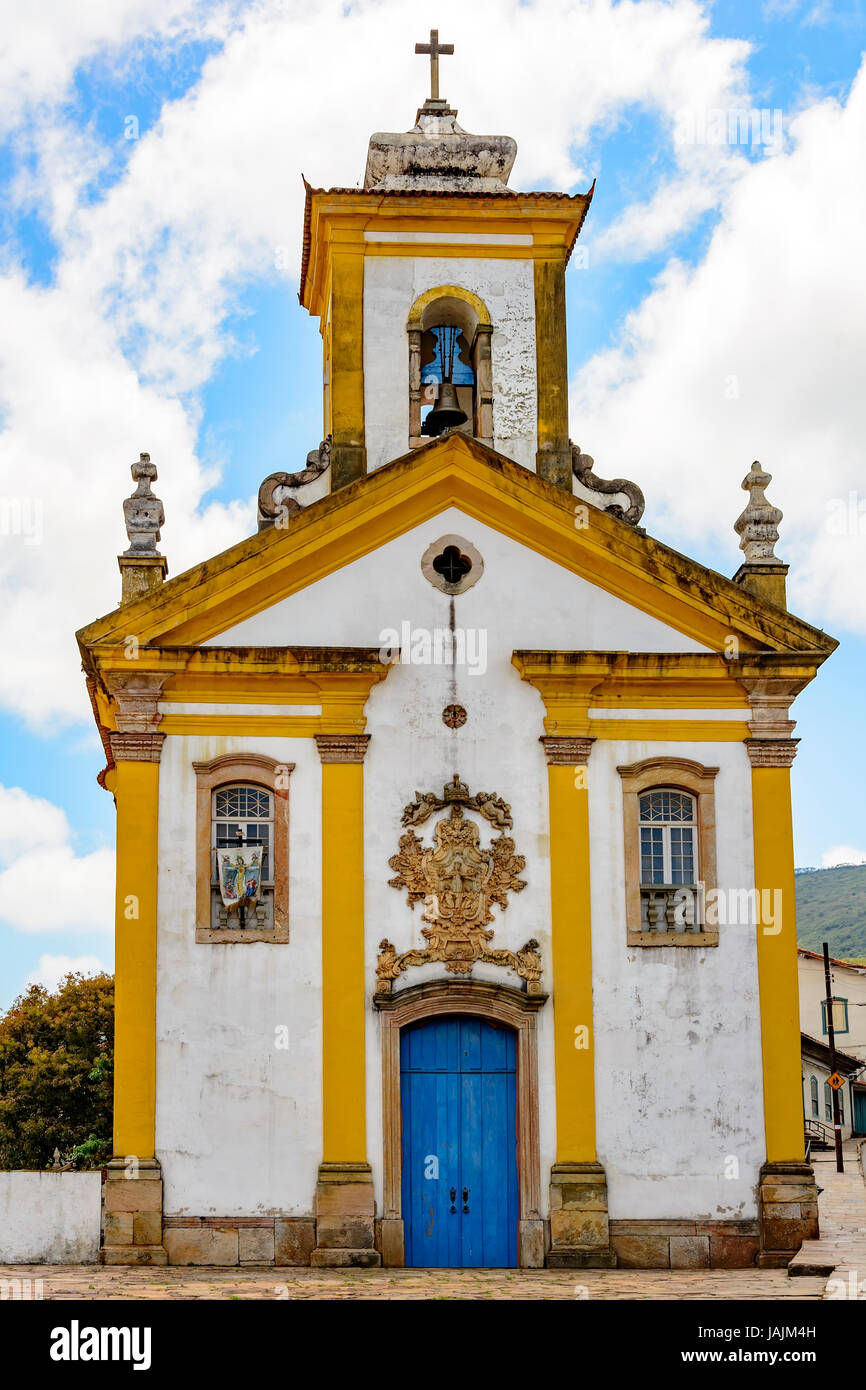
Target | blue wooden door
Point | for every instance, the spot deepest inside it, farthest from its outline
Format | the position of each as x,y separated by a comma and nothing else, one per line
458,1087
859,1111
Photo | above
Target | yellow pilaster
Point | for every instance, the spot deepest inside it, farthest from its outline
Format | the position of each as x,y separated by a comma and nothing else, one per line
137,794
777,949
572,949
346,384
343,1070
553,460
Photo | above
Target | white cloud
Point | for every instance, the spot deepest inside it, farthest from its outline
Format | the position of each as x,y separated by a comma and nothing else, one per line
45,43
52,969
756,353
842,854
44,885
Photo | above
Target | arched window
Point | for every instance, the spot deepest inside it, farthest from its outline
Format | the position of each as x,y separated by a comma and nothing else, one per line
450,367
242,809
813,1096
668,837
670,852
828,1103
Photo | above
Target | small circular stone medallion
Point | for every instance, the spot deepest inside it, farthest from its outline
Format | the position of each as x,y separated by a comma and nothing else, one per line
454,716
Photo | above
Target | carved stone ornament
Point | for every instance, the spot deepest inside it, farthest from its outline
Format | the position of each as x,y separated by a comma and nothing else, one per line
758,525
458,881
582,466
272,511
142,512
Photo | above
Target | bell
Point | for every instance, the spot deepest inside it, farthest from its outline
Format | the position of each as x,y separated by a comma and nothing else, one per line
446,413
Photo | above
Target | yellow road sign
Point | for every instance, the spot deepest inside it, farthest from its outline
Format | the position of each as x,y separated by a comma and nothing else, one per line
835,1081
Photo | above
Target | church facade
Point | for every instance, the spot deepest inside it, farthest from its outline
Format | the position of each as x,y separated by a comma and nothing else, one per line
455,896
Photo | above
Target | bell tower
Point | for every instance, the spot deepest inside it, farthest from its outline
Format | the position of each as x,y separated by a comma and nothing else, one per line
441,297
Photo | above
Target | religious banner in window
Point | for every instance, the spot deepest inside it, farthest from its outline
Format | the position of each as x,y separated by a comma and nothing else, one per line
242,823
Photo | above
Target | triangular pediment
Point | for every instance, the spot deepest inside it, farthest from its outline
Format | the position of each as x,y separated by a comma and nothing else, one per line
214,597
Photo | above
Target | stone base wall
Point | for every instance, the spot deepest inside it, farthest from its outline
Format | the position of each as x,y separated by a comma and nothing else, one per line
685,1244
789,1211
239,1240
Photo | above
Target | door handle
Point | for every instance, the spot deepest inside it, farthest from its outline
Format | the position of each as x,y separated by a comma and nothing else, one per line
453,1195
466,1201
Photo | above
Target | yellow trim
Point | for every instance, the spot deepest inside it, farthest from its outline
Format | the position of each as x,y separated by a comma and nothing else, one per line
137,793
658,730
342,219
260,725
572,967
454,471
344,1117
777,966
416,313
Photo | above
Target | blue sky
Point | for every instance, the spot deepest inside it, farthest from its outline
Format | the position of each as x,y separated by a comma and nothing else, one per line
148,299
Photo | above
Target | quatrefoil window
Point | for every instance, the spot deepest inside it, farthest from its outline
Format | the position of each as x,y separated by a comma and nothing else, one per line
452,564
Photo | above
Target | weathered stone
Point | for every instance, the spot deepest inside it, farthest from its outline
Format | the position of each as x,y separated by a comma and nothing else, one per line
256,1245
576,1227
788,1235
733,1252
146,1227
132,1194
438,156
342,1259
294,1241
782,1211
117,1227
345,1233
779,1191
689,1252
344,1199
133,1255
642,1251
391,1243
206,1246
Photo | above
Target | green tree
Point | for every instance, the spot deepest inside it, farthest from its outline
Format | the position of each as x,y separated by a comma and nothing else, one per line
56,1065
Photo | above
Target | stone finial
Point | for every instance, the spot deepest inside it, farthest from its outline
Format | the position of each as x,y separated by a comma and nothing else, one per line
758,525
142,567
762,572
439,156
143,512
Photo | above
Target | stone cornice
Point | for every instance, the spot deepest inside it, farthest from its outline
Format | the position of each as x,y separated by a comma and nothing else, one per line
342,748
566,750
136,694
136,747
771,752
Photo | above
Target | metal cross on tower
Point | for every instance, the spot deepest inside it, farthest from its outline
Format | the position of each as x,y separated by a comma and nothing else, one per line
434,48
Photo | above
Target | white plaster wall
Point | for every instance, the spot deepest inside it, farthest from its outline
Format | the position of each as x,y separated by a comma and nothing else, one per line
677,1030
391,287
50,1218
523,599
238,1121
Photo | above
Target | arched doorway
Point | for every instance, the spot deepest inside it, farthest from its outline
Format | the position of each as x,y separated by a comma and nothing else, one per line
514,1011
458,1099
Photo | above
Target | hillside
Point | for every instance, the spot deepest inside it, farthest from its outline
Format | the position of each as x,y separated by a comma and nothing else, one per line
831,906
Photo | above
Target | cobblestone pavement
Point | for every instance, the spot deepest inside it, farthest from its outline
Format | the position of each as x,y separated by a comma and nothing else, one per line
94,1282
841,1249
842,1246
